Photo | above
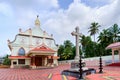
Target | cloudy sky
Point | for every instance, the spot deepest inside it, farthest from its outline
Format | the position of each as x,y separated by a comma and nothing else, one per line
57,17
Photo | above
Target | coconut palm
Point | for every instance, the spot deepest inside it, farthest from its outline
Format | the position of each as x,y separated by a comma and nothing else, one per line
114,31
93,29
103,36
104,39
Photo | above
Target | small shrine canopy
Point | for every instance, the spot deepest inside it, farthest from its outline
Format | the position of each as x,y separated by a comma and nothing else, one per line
114,46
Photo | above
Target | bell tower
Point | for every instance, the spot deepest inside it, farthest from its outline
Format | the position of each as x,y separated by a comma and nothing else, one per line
37,21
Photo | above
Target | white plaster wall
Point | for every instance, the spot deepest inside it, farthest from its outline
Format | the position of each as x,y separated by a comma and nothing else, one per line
24,41
27,61
55,54
15,60
15,51
55,62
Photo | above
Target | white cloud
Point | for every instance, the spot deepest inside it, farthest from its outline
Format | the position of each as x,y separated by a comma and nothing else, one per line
25,18
63,22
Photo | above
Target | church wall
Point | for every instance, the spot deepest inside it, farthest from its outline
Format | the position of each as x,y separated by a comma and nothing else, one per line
55,61
20,41
15,51
27,62
35,42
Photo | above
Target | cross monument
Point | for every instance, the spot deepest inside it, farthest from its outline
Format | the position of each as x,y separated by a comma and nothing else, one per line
77,35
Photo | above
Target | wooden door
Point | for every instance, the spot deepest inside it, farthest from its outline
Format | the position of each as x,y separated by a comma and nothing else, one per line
38,61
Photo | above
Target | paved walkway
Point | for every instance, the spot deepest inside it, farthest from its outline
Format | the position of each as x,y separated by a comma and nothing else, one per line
38,74
110,73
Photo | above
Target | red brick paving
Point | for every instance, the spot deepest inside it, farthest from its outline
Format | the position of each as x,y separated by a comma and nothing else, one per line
42,74
29,74
109,73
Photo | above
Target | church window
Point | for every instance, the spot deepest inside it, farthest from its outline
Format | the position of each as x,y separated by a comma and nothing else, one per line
14,63
21,61
21,52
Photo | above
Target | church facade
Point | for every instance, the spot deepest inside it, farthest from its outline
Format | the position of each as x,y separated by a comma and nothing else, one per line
33,48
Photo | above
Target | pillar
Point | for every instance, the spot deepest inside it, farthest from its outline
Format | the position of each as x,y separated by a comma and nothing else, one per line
11,64
112,56
33,62
45,61
119,55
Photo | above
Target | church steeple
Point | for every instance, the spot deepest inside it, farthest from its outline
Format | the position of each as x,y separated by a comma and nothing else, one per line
37,22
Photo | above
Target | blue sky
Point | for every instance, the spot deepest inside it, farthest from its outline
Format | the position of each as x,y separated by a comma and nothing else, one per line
64,3
57,17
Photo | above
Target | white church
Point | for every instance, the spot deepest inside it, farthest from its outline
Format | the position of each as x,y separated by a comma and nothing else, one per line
33,48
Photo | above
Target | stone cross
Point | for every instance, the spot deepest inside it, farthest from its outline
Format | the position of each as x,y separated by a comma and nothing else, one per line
77,35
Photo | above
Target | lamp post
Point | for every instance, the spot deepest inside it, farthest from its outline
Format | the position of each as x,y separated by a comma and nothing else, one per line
80,69
100,67
100,63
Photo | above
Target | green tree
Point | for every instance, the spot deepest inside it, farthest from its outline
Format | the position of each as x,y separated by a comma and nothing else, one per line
60,51
6,60
93,29
114,31
67,49
108,36
84,42
89,48
104,36
104,39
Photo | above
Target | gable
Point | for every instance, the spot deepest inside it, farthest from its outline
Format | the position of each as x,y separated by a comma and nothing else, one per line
43,48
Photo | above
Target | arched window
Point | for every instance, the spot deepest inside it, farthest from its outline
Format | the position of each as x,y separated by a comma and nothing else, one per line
21,52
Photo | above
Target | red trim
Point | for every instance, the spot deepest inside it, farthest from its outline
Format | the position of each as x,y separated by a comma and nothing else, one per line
17,57
53,57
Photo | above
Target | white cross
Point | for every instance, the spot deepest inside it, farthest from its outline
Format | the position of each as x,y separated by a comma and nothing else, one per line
77,35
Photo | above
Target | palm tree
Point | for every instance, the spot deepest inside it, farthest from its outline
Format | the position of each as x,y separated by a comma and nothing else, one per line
88,46
104,40
85,41
93,29
103,36
114,30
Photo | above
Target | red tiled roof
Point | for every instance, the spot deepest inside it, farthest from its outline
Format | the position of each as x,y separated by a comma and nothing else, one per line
43,48
113,45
